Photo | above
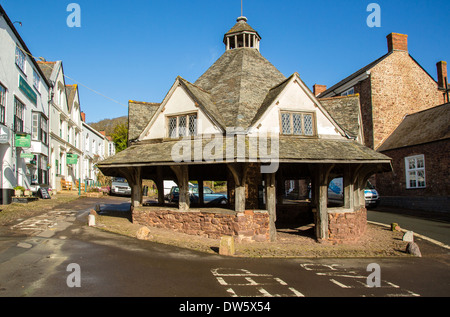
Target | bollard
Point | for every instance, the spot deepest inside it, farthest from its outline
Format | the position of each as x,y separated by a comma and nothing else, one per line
91,220
227,245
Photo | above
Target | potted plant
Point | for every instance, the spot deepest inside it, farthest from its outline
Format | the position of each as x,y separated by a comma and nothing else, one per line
18,191
27,192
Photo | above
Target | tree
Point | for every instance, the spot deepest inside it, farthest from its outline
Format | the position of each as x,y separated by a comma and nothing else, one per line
120,137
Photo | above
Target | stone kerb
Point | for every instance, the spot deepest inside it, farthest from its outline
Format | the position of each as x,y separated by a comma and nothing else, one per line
250,226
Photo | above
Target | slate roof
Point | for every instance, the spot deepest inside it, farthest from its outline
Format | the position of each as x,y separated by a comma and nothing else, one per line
291,149
70,93
238,83
355,74
345,111
47,69
241,26
421,127
139,115
235,91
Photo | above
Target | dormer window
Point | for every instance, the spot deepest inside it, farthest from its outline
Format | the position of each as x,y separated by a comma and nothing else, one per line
297,123
182,125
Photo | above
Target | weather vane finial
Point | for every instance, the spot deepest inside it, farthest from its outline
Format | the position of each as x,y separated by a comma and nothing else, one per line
242,8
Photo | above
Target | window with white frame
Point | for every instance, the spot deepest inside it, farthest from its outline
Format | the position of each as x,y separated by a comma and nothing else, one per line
2,104
36,80
20,58
40,128
415,171
19,109
348,92
182,125
86,143
297,123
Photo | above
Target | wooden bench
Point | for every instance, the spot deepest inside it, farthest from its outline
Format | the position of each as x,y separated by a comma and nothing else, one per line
65,185
78,185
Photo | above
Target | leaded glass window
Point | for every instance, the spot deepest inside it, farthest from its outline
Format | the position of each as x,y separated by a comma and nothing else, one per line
297,123
286,123
173,127
181,126
308,123
193,125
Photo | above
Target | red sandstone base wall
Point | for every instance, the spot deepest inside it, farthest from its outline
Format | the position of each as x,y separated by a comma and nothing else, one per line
248,226
347,226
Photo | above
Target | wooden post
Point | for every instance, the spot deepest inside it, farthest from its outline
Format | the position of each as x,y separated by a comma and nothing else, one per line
182,173
321,196
355,173
160,185
239,172
348,187
201,198
271,204
134,178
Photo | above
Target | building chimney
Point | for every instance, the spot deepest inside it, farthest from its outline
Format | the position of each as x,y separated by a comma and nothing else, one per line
318,89
83,116
103,132
442,73
397,42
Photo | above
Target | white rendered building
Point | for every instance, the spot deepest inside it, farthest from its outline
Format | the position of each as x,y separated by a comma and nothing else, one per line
24,115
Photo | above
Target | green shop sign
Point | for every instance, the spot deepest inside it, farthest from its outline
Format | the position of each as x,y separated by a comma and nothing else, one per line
72,159
27,155
27,90
22,140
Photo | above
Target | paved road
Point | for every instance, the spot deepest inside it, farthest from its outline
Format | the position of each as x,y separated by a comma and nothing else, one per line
436,227
63,251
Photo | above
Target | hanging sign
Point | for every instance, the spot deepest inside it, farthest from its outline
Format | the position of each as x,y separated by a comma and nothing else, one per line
72,159
27,155
22,140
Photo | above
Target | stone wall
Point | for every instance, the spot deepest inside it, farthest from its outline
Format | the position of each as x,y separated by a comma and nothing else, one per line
347,226
249,226
399,86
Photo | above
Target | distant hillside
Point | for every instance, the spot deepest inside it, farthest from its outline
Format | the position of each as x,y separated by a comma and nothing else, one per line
108,125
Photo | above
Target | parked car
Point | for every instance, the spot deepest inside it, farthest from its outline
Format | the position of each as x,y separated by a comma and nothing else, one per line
371,196
336,193
119,186
209,196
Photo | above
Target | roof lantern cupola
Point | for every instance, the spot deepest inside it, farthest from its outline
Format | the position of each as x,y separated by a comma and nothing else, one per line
241,35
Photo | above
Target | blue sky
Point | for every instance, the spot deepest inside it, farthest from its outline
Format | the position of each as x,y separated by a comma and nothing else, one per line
135,49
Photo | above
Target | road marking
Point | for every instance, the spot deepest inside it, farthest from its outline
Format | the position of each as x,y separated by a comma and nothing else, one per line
244,282
349,279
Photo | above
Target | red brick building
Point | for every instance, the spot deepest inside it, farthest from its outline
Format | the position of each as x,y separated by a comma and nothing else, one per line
395,94
390,88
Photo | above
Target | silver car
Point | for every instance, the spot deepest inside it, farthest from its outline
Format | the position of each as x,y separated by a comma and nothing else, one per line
119,186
